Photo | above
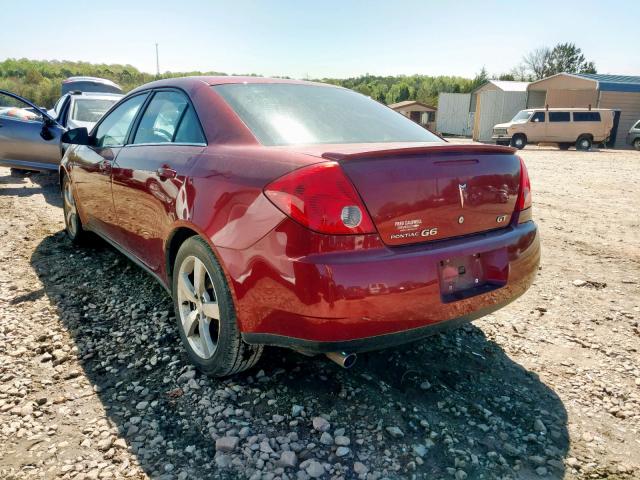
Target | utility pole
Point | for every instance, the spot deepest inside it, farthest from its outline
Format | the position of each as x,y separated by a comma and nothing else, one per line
157,61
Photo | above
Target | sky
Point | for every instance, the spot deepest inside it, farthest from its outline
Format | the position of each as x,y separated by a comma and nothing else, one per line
321,38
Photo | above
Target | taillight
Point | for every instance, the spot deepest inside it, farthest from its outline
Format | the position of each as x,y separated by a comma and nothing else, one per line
321,198
524,197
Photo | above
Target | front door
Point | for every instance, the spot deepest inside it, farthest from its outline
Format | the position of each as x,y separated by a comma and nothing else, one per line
150,175
92,165
29,138
537,127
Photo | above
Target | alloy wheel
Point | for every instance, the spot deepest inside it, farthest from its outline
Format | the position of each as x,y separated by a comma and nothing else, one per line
198,307
70,210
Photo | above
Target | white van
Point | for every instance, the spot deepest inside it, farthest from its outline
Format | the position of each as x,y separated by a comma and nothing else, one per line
581,127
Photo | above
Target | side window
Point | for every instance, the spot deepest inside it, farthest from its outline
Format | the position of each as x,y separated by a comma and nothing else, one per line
14,109
189,130
169,118
586,116
115,126
559,117
538,117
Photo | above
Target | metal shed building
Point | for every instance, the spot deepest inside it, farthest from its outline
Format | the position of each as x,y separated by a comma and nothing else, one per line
454,117
477,112
617,92
496,102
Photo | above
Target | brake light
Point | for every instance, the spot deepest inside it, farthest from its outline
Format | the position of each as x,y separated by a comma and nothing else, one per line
321,198
524,197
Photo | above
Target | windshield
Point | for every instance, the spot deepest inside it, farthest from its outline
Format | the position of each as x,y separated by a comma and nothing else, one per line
289,114
90,109
522,116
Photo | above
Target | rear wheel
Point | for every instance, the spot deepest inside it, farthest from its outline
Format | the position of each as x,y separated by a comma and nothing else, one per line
564,146
519,141
72,222
636,144
205,313
584,143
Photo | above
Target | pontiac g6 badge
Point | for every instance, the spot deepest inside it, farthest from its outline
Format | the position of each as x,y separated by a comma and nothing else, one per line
462,188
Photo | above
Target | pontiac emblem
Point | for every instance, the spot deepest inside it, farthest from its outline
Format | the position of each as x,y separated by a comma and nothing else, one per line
462,188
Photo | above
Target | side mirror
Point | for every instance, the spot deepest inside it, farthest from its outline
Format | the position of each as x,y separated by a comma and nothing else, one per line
76,136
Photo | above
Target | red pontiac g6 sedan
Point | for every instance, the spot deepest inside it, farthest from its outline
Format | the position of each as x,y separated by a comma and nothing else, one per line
301,215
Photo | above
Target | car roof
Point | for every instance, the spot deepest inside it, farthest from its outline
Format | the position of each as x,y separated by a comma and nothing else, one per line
102,95
90,79
188,82
568,109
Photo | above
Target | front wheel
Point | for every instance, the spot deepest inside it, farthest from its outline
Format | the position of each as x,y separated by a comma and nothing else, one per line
205,313
519,141
636,144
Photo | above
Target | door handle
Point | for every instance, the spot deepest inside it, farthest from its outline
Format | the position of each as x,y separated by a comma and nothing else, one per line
165,172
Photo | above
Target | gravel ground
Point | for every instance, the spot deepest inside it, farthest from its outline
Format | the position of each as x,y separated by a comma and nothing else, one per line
94,384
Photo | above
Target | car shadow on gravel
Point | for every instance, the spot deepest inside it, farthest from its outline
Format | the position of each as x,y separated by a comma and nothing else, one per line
46,184
462,407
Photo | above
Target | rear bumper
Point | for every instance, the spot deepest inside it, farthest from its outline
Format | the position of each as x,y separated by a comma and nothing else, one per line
367,344
371,298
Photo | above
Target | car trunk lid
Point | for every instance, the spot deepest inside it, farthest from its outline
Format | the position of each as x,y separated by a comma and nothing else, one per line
422,193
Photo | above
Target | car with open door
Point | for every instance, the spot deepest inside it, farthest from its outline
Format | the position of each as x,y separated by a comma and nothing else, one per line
29,136
299,215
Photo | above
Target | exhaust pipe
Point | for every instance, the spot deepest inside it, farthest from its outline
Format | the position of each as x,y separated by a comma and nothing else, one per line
345,360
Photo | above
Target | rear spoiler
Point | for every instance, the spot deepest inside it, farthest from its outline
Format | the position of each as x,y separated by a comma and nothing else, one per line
427,149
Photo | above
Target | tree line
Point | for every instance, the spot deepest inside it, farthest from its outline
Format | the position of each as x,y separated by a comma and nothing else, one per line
40,80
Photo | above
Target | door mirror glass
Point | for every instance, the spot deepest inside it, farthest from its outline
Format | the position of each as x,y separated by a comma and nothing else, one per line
76,136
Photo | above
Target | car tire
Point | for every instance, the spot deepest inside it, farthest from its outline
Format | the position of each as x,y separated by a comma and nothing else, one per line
636,144
72,223
200,294
564,146
519,141
584,143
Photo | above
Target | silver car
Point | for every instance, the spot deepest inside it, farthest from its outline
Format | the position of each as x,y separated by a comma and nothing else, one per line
633,137
82,109
30,136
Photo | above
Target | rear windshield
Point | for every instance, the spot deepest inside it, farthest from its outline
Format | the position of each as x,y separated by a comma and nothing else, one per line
91,110
289,114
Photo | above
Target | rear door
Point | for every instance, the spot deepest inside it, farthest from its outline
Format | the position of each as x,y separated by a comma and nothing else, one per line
561,128
149,177
29,138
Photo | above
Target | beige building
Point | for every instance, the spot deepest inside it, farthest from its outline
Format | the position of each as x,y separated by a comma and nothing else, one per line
583,90
419,112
